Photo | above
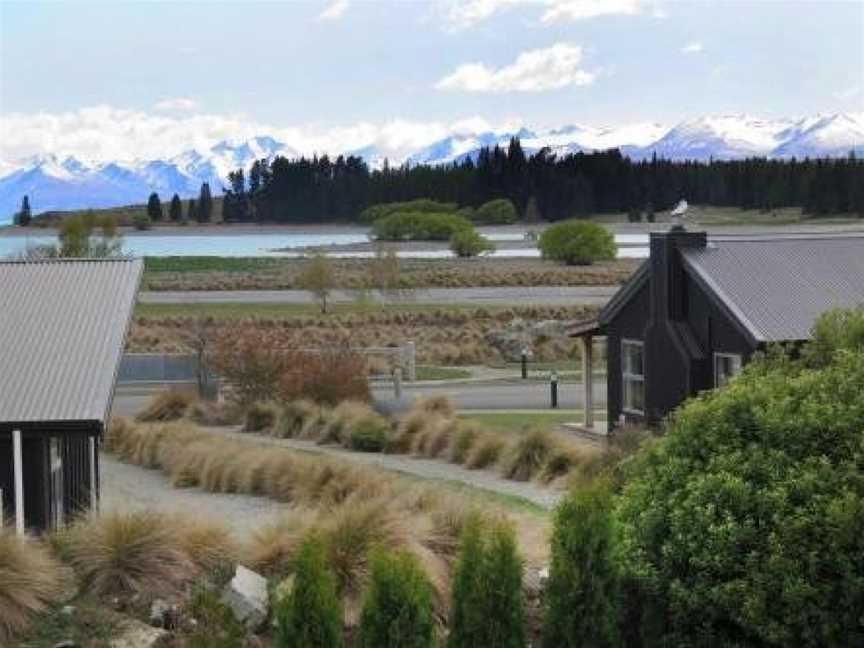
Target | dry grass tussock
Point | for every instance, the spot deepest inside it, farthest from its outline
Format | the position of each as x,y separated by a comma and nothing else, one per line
31,579
123,554
194,457
170,405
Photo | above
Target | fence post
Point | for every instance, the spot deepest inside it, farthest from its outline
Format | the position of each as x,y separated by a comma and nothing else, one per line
18,464
397,383
409,352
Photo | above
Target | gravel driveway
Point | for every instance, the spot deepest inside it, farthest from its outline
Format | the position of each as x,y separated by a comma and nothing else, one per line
126,487
416,467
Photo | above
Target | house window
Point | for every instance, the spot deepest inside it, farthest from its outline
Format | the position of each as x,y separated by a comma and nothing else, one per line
726,365
633,372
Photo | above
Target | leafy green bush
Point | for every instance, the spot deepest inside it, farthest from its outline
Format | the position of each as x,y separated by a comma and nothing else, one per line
426,205
141,222
496,212
834,330
418,226
397,607
745,523
470,243
577,243
369,435
310,615
487,608
581,595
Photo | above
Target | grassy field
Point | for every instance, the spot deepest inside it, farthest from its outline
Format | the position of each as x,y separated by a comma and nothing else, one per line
428,372
263,309
517,422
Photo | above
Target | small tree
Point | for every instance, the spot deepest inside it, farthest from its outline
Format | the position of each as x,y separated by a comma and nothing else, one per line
24,217
192,211
469,243
310,616
141,222
487,608
154,207
581,594
318,277
397,607
175,211
385,271
205,204
577,243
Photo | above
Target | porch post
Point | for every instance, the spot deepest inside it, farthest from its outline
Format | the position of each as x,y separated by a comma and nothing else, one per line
588,379
94,499
18,469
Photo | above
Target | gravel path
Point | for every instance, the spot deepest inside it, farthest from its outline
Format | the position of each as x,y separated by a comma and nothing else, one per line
491,296
127,487
416,467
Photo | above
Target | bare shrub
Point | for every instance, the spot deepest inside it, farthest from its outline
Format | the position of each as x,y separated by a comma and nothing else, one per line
30,580
327,377
169,405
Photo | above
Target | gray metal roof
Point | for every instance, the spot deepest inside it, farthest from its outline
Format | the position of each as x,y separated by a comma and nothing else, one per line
777,287
63,326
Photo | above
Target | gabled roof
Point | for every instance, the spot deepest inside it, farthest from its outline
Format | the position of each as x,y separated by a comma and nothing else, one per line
776,287
63,326
625,294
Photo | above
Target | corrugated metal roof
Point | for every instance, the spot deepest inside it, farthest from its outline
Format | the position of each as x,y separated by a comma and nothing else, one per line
777,287
63,325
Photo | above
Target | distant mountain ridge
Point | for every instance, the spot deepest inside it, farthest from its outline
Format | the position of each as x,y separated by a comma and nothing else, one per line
69,183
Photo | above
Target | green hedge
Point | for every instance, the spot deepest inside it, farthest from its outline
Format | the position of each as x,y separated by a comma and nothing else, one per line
418,226
469,243
496,212
421,205
577,243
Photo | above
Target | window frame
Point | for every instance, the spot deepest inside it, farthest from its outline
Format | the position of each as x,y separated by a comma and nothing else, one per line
738,360
627,377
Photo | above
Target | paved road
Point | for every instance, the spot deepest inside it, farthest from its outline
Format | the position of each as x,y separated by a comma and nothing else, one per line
499,395
493,296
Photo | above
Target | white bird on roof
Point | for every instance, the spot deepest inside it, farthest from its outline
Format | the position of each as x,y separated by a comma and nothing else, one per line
678,214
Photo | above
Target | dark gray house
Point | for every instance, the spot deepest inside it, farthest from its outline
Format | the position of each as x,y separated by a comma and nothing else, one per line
698,308
63,327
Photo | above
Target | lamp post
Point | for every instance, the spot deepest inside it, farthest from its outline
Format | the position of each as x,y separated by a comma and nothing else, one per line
553,386
524,363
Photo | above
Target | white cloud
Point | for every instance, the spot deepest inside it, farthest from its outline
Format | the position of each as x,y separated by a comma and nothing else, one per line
847,93
335,11
103,133
176,104
551,68
465,13
693,47
572,10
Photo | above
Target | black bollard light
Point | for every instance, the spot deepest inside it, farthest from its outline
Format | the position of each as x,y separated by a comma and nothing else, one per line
524,363
553,386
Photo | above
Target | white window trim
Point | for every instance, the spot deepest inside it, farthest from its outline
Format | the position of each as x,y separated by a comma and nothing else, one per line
734,356
625,376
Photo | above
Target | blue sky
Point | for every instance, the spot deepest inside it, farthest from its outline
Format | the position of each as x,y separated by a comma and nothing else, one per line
79,76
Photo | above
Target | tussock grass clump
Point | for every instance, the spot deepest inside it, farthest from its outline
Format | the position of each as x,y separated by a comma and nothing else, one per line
260,417
486,452
170,405
294,417
30,580
369,435
273,546
463,441
120,554
528,455
208,544
215,414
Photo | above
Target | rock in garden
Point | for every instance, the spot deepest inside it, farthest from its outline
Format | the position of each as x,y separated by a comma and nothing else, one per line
158,612
134,634
247,597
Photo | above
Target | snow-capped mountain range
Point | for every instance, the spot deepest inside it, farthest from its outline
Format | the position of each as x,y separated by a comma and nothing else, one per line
54,183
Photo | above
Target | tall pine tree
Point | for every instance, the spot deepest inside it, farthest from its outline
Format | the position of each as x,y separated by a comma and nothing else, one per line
205,204
154,207
24,217
175,211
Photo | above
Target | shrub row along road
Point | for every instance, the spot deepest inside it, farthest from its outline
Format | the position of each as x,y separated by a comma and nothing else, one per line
492,296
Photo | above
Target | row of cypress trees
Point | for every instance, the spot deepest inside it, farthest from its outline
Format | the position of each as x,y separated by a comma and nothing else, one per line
200,211
487,598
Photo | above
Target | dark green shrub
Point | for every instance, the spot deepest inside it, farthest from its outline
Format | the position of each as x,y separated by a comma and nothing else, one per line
577,243
373,213
216,626
469,243
487,608
496,212
581,595
310,615
418,226
397,607
260,416
746,520
369,435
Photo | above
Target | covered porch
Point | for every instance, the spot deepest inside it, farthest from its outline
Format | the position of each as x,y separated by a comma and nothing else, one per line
592,340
